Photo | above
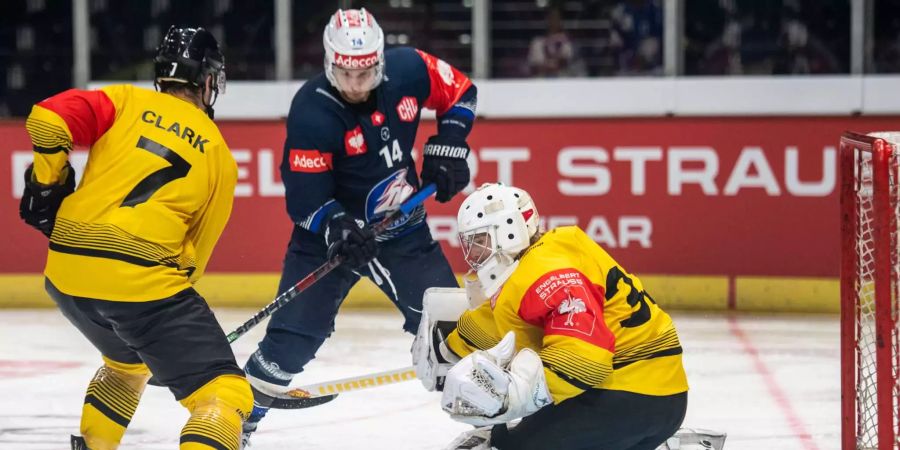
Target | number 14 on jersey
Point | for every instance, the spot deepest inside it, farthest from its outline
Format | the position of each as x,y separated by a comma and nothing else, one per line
392,155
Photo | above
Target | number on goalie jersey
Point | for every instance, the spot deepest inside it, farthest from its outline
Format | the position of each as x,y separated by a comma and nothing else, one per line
129,243
611,356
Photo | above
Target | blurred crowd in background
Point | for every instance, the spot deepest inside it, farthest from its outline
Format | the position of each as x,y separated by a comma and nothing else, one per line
528,38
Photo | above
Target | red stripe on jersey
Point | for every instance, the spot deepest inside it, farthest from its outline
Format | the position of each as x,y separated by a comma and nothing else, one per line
88,114
447,83
565,302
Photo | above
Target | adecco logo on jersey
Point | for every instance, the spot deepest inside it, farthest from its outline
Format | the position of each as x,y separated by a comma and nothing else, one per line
407,108
355,62
310,161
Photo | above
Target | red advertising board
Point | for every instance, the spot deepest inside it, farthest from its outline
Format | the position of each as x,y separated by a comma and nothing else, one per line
710,196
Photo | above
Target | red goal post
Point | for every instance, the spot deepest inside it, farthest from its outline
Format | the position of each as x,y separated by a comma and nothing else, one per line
869,290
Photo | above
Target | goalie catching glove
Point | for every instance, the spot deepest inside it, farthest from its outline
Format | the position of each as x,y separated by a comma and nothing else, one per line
491,386
444,164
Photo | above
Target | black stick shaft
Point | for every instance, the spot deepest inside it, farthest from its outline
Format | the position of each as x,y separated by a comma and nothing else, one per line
407,207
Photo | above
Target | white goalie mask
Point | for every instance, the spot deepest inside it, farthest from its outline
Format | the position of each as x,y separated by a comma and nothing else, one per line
496,223
354,43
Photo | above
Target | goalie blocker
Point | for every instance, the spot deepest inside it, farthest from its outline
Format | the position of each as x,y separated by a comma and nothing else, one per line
441,308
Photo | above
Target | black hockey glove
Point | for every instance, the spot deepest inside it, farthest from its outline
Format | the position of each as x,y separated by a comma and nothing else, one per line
444,164
354,243
41,202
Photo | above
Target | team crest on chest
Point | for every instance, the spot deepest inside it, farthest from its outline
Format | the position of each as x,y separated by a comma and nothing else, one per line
387,196
354,142
407,108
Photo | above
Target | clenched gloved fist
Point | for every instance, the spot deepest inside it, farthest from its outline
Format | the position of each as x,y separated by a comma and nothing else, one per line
348,238
40,202
444,164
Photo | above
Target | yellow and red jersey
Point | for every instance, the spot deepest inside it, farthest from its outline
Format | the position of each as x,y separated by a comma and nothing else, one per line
590,321
153,200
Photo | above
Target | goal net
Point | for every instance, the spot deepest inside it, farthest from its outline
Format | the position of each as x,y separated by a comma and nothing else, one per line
869,288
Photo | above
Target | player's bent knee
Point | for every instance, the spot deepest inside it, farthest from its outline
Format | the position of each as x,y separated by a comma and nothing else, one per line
110,402
233,390
136,375
217,411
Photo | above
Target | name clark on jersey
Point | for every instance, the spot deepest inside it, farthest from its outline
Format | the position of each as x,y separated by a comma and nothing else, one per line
182,131
449,151
309,161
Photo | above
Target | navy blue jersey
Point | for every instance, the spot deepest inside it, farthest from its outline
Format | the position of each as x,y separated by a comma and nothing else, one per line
357,157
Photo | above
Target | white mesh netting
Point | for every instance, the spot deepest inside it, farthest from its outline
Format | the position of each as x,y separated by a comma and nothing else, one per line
866,345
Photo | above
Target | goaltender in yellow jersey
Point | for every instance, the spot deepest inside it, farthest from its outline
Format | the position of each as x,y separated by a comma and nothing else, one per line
564,338
591,322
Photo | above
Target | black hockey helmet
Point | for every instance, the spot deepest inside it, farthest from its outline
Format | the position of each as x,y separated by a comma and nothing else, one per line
188,55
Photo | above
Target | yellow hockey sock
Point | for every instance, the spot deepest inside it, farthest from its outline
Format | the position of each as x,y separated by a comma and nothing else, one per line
110,402
217,411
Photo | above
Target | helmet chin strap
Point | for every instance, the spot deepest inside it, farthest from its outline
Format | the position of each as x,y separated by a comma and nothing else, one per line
494,274
209,107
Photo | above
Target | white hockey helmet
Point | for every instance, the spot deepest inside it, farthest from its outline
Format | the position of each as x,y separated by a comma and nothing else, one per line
353,40
496,223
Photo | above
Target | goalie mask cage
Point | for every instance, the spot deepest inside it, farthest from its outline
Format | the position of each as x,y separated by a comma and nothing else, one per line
869,288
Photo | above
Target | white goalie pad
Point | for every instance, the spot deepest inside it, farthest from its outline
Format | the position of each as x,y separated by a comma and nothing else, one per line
441,308
695,439
477,439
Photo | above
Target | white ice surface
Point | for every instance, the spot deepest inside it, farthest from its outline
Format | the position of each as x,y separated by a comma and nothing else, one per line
771,382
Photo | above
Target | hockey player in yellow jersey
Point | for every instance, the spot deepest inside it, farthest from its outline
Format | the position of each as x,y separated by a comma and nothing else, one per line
128,244
560,336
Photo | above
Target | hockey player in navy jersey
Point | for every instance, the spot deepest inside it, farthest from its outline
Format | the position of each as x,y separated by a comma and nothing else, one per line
347,163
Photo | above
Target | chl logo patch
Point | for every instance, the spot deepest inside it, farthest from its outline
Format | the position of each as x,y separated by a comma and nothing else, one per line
407,108
309,161
354,142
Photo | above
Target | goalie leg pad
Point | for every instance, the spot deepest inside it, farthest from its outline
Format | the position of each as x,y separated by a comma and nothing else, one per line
695,439
441,308
477,439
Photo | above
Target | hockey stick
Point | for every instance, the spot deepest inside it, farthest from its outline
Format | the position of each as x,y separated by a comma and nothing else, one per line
301,401
361,382
316,394
299,398
405,209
